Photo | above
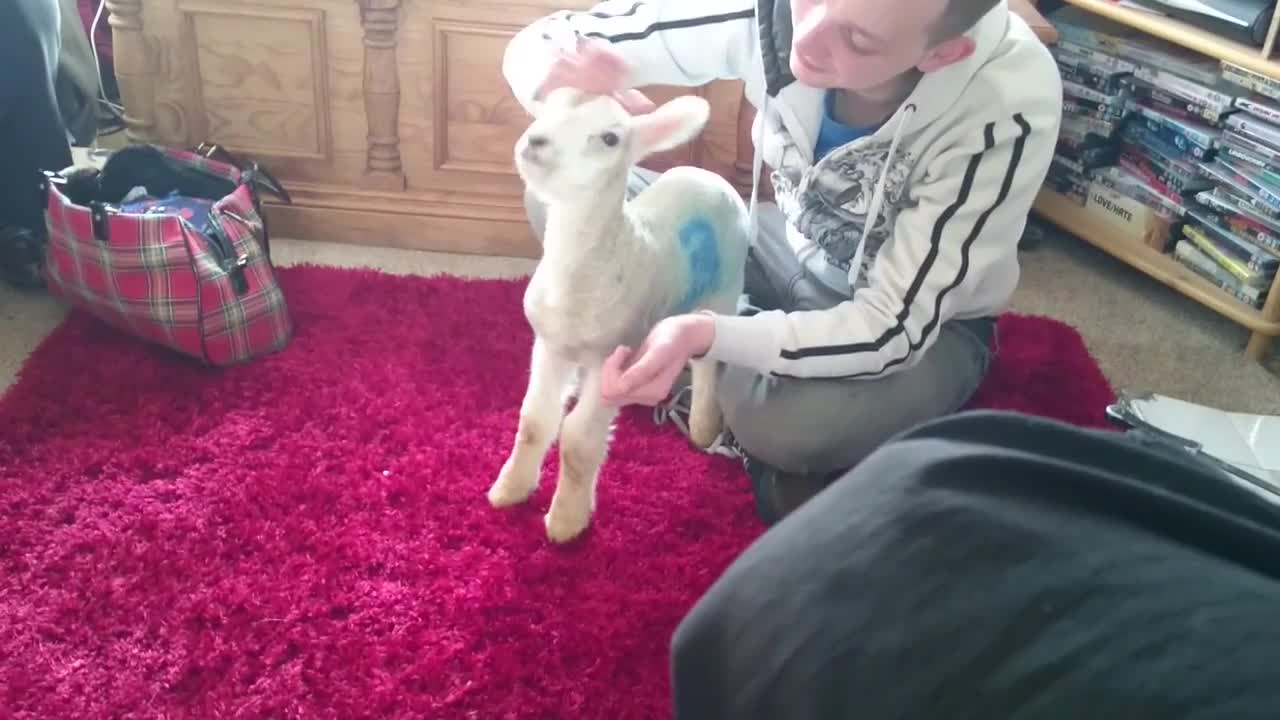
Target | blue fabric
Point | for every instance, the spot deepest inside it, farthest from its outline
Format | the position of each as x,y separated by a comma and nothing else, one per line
196,211
834,133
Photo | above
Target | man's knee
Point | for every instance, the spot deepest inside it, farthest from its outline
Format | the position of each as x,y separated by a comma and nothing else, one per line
743,415
777,423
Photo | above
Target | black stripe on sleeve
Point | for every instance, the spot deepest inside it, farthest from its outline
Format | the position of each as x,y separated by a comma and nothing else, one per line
605,16
1006,185
935,248
675,25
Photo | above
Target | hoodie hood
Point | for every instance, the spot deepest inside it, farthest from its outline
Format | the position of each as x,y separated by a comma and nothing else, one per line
801,106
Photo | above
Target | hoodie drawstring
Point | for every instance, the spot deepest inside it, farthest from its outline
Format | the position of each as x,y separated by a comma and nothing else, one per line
757,165
877,197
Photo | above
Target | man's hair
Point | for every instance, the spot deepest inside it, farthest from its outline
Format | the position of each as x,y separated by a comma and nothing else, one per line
959,16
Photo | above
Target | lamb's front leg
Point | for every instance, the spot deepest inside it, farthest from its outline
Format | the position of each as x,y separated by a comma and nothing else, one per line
540,416
584,443
705,420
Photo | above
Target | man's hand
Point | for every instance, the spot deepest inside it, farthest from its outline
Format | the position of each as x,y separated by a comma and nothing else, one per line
594,67
646,375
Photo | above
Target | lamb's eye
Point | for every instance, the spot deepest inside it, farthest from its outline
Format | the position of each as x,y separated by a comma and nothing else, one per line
610,138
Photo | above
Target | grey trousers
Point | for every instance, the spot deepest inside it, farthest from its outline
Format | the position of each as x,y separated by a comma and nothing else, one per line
820,426
33,137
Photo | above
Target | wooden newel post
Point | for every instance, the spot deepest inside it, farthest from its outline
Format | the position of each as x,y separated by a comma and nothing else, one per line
381,20
134,69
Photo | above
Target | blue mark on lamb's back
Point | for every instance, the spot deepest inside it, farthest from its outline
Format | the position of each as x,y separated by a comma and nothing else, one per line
700,247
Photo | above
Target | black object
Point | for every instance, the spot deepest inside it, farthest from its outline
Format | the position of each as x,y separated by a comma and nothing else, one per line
996,565
1254,18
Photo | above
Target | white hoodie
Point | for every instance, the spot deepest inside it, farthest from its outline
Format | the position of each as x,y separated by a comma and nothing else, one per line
949,178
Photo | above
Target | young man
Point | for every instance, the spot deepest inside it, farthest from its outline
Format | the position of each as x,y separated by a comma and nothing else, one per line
907,140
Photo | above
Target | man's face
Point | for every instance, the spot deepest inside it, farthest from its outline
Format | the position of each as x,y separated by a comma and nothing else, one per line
860,44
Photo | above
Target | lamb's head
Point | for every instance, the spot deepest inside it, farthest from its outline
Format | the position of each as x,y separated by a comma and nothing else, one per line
581,144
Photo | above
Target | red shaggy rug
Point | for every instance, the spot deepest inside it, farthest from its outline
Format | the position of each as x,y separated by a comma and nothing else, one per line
308,536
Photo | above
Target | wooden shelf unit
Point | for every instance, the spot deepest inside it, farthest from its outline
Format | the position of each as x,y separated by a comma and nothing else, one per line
1189,36
1265,323
1068,215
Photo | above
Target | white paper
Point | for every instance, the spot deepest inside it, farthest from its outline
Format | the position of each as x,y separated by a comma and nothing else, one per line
1250,442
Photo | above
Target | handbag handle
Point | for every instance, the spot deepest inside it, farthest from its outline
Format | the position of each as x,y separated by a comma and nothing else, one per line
99,212
256,172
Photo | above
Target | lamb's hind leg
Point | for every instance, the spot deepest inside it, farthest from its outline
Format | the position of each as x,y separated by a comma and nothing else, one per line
584,443
540,416
705,420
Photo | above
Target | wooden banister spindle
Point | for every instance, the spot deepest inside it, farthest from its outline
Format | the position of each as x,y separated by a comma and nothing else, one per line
381,20
134,69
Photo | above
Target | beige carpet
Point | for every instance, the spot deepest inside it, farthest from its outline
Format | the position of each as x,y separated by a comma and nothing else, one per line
1144,336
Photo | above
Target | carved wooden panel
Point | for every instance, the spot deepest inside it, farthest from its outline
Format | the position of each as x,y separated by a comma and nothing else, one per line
477,119
263,92
389,120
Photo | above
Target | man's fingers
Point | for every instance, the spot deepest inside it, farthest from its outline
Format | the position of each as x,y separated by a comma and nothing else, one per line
594,67
601,54
611,386
646,367
617,360
569,70
647,382
635,102
557,77
653,394
660,388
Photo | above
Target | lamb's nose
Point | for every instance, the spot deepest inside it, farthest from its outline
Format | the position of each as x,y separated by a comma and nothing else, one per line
537,141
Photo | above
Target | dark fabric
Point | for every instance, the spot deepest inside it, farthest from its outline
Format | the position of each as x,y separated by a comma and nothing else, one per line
774,18
32,135
991,565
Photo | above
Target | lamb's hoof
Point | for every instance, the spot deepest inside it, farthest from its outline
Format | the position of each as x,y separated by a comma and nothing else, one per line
704,430
512,486
566,521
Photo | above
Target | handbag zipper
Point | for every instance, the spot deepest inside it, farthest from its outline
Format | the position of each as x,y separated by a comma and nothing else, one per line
234,265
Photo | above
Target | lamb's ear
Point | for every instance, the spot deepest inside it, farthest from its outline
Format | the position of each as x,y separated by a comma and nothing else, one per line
671,125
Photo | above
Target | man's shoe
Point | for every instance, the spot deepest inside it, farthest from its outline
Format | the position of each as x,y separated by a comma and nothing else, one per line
778,494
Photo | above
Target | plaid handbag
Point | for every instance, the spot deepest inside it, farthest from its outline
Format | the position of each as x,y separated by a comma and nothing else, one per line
170,246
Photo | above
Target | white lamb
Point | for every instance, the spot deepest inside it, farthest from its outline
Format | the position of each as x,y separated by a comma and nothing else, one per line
610,270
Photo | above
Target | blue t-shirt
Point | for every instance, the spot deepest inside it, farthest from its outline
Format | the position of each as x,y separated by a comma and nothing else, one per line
833,133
